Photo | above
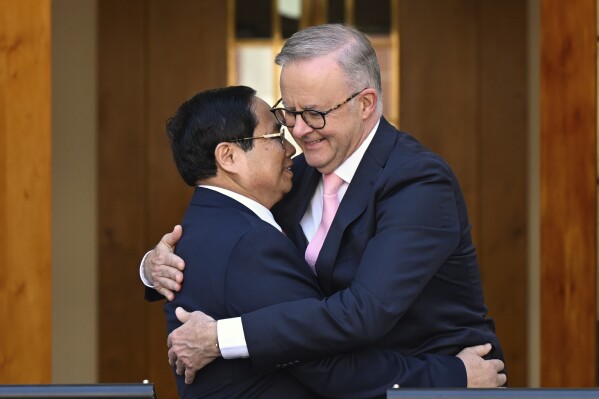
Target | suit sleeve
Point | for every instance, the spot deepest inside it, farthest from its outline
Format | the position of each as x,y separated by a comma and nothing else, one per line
417,228
266,269
151,295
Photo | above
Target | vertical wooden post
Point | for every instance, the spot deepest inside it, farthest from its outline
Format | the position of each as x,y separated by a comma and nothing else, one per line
568,193
25,195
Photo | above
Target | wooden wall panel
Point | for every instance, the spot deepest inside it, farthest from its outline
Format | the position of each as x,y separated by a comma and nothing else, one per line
568,193
121,191
502,127
25,193
438,84
153,56
463,94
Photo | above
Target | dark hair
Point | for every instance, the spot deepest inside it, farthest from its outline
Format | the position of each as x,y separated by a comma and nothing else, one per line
205,120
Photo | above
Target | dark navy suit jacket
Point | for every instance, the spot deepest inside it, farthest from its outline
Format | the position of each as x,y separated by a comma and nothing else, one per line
399,255
236,263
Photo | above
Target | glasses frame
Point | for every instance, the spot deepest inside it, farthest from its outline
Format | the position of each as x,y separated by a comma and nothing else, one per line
264,136
323,114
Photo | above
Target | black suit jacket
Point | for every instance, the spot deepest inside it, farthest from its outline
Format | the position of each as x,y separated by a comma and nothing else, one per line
398,265
236,263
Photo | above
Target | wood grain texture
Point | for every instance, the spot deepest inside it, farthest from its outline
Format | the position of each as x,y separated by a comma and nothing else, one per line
121,202
25,192
463,94
568,193
502,128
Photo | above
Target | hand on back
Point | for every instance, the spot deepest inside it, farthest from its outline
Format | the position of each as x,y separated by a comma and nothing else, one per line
163,268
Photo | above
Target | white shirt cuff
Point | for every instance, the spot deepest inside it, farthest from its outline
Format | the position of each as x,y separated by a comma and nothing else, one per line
142,273
231,339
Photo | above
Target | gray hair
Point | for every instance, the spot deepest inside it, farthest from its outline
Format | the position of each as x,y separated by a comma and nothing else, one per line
354,54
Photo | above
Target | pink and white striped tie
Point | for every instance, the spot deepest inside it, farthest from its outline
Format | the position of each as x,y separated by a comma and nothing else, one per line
330,203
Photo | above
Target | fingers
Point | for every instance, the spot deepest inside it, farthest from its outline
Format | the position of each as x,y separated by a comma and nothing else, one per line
189,373
189,376
165,292
172,358
166,286
191,345
481,350
501,379
166,264
168,267
166,278
498,364
164,256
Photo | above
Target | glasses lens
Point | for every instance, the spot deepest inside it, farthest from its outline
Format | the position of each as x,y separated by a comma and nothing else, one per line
284,117
313,119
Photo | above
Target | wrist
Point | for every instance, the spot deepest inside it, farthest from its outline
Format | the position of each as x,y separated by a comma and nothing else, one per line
215,345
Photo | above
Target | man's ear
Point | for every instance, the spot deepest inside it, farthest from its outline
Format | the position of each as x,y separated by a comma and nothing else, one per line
369,99
227,156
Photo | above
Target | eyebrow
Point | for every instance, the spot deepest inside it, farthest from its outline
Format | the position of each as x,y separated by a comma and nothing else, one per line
309,107
276,128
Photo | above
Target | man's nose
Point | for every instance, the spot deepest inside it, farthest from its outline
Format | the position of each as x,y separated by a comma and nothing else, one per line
301,128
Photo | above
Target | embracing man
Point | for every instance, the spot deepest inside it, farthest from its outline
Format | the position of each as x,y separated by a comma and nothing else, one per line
381,220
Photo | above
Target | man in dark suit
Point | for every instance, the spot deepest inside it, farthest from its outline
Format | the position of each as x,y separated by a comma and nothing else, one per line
227,144
397,266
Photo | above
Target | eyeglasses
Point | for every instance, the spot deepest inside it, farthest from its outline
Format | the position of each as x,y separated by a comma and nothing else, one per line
314,119
281,135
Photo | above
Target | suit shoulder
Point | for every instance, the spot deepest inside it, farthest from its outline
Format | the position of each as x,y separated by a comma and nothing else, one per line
411,155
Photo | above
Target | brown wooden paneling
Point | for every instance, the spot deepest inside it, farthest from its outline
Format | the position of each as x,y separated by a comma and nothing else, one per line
463,94
568,193
121,202
25,193
153,56
438,84
502,130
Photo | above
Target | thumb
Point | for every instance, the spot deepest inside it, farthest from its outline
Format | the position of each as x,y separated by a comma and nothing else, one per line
176,235
182,315
482,350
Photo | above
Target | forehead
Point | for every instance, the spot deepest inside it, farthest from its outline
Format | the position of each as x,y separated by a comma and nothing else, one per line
265,118
312,83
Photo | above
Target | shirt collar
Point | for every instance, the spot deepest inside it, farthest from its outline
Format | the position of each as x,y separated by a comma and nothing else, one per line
260,210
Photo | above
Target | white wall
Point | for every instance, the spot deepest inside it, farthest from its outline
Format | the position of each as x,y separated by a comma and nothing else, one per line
74,298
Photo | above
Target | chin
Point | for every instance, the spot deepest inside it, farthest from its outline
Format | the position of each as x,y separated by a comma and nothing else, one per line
318,163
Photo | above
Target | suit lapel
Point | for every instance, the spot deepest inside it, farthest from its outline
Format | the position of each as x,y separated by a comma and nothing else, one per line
356,199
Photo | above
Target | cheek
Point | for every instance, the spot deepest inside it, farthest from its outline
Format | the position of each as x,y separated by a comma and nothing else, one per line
269,171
